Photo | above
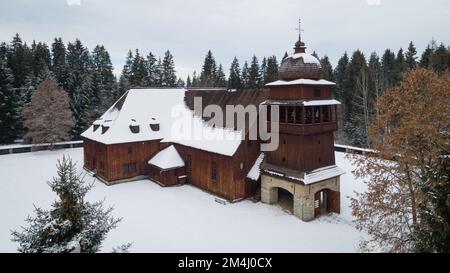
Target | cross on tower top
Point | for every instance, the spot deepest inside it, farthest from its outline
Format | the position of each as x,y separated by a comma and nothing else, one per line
299,29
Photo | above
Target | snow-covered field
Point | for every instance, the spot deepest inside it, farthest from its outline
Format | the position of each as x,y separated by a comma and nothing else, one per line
177,219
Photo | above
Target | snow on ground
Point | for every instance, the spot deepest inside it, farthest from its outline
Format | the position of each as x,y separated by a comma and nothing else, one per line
177,219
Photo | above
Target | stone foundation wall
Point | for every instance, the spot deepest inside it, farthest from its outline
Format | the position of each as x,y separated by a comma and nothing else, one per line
303,194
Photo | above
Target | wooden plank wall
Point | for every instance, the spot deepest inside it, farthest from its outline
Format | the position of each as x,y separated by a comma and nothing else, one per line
303,153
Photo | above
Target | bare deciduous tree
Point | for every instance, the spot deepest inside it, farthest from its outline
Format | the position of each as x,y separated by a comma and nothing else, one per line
48,117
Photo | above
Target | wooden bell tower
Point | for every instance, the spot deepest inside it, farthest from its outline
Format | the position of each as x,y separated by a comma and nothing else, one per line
307,121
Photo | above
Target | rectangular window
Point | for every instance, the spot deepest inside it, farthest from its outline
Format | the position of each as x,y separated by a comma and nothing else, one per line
282,114
308,115
126,168
316,114
213,171
291,114
130,149
298,115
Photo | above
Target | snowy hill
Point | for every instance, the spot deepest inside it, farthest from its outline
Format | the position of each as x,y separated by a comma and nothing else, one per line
177,219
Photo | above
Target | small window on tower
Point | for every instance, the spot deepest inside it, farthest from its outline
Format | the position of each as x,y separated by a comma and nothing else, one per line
282,114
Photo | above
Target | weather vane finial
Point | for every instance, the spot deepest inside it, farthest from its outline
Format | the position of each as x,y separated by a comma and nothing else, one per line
299,29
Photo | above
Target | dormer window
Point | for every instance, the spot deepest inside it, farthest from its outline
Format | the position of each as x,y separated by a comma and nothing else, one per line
97,123
105,126
154,124
134,126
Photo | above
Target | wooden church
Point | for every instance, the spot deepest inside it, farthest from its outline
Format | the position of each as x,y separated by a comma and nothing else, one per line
144,136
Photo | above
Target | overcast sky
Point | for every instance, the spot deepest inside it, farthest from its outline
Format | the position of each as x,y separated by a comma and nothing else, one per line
228,27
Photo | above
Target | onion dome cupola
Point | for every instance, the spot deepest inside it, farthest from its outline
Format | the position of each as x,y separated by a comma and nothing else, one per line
300,65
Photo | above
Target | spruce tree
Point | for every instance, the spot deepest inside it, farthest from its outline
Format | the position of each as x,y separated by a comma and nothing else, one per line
72,224
138,70
388,63
272,70
151,70
410,56
104,89
220,77
234,79
168,71
433,233
195,82
339,74
425,59
400,67
188,81
8,105
440,59
208,74
254,76
263,72
327,69
124,80
79,85
245,76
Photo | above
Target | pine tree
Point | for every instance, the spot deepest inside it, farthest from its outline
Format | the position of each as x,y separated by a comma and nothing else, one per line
168,71
19,61
8,105
151,70
425,60
433,233
410,56
400,66
339,74
104,89
220,77
188,81
327,69
124,80
180,83
207,76
376,88
72,224
356,80
440,59
59,64
254,76
79,85
272,70
234,79
263,72
138,70
159,73
245,78
389,69
48,117
195,82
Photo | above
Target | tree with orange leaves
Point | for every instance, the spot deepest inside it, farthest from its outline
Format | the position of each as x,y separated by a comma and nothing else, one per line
410,136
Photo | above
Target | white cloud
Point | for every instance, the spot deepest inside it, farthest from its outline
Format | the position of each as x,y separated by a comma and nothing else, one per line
73,2
373,2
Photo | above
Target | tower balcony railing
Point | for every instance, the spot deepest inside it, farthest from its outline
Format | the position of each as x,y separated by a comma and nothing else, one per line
306,129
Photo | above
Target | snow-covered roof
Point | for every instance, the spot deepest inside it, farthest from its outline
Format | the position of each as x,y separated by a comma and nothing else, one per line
177,123
307,58
301,102
321,102
301,81
168,158
255,171
322,174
